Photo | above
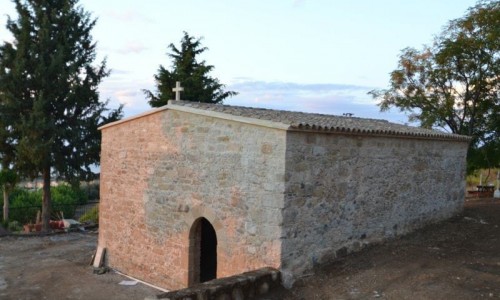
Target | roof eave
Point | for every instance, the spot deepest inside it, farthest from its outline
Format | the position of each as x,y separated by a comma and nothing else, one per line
382,133
128,119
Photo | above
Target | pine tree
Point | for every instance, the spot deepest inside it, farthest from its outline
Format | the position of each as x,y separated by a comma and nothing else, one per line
194,76
49,103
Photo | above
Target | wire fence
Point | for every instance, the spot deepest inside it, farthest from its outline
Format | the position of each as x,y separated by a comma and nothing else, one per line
27,214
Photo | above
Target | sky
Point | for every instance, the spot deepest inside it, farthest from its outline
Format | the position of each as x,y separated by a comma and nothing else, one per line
320,56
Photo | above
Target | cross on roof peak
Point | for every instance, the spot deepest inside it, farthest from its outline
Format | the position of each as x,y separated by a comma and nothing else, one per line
178,89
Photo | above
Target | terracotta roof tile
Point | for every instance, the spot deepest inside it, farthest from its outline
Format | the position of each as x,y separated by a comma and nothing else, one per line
322,122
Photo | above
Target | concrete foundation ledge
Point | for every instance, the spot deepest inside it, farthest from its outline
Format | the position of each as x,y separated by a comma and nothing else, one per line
243,286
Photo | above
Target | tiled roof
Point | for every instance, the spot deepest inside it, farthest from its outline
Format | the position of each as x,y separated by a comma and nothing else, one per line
321,122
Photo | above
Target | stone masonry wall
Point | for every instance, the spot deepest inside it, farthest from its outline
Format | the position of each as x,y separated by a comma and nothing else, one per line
346,191
163,171
248,285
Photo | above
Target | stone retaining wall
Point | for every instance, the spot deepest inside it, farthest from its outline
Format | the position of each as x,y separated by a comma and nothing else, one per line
239,287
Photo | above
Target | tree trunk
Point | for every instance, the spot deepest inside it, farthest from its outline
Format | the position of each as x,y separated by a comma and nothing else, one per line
46,200
5,204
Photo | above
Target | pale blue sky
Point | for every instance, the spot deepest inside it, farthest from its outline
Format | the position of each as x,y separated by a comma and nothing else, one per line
307,55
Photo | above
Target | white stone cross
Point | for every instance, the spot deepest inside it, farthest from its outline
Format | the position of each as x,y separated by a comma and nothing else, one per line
178,89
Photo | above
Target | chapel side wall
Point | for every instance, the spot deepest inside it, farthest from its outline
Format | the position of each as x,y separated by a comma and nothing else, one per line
178,167
343,192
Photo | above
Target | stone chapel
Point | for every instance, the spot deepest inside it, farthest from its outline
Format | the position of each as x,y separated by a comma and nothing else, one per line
193,191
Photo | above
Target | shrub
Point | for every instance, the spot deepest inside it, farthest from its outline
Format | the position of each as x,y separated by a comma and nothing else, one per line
91,189
24,205
14,226
92,215
66,195
22,197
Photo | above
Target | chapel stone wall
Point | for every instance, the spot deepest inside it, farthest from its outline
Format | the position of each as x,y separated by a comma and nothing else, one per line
343,192
161,172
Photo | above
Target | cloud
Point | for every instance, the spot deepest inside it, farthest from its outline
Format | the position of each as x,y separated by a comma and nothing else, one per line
129,16
330,98
291,87
128,93
127,97
298,2
120,72
262,91
133,101
335,99
118,75
132,48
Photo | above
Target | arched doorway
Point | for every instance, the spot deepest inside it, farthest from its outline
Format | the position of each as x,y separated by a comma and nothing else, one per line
202,252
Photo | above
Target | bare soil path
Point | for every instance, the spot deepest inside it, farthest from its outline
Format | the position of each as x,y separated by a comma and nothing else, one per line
455,259
57,267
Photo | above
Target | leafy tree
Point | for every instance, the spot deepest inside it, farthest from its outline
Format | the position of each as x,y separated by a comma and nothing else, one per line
194,76
49,103
454,84
8,181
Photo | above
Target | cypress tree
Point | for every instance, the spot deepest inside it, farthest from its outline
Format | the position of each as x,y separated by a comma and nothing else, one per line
49,102
194,75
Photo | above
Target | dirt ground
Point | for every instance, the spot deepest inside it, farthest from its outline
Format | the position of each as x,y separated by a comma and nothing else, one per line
455,259
57,267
